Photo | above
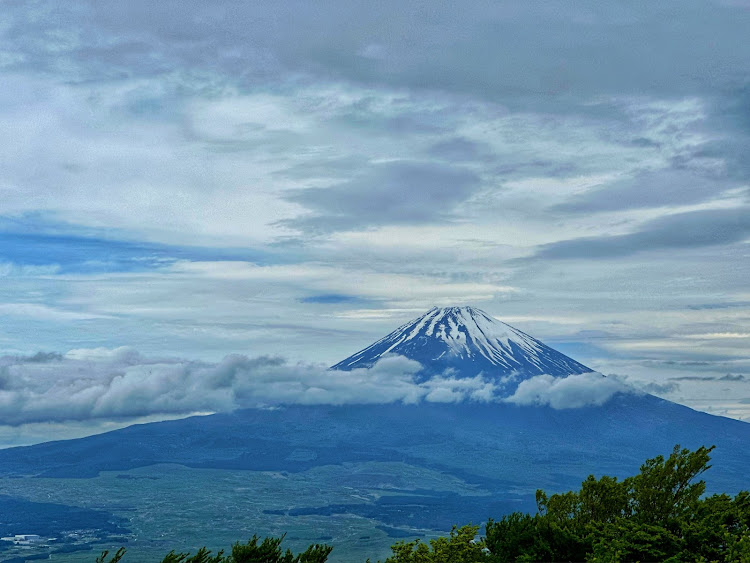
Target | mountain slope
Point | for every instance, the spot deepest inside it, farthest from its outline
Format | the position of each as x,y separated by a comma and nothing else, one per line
493,445
466,341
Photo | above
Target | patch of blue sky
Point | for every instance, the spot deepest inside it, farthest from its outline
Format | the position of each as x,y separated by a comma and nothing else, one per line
582,351
72,253
332,299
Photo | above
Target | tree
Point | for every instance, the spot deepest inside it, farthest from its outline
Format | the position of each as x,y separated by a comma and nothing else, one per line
269,551
629,540
655,515
255,550
512,536
115,558
203,555
664,489
459,547
603,500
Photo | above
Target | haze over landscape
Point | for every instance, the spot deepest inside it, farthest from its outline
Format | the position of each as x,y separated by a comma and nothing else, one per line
209,208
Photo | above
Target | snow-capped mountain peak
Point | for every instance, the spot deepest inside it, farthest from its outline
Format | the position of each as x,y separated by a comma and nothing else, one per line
468,341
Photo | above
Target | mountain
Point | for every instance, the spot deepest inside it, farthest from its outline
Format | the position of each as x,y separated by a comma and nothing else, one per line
359,476
467,342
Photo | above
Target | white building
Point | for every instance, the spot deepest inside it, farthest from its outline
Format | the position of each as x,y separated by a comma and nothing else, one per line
24,539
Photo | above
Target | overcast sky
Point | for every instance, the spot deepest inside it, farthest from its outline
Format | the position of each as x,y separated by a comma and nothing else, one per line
193,180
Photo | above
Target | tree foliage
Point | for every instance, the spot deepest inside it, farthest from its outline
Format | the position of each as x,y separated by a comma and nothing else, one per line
459,547
267,550
115,557
203,555
657,515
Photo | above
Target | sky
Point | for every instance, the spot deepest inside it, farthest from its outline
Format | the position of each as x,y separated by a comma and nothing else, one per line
188,184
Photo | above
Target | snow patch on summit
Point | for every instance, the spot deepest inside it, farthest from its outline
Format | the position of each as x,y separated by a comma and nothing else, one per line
468,342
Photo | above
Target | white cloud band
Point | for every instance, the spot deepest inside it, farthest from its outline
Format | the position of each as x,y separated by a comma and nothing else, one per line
122,384
574,391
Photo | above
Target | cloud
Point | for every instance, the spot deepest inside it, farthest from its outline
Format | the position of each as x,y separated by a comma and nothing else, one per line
522,49
658,388
574,391
460,149
692,378
693,229
406,192
118,384
727,377
42,312
42,357
708,306
733,377
332,299
651,387
648,189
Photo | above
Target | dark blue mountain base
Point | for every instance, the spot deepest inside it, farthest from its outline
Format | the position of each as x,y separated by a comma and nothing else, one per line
500,447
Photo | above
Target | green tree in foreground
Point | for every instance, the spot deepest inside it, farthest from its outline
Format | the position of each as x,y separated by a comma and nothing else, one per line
203,555
269,551
656,515
665,489
255,550
459,547
115,557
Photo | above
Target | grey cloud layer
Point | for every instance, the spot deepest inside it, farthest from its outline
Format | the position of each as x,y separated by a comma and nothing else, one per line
121,384
390,193
682,230
649,189
515,60
495,49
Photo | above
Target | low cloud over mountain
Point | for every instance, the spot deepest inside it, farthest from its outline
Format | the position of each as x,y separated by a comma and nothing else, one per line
122,384
574,391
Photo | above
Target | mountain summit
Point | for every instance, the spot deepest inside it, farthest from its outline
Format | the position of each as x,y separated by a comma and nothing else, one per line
467,341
